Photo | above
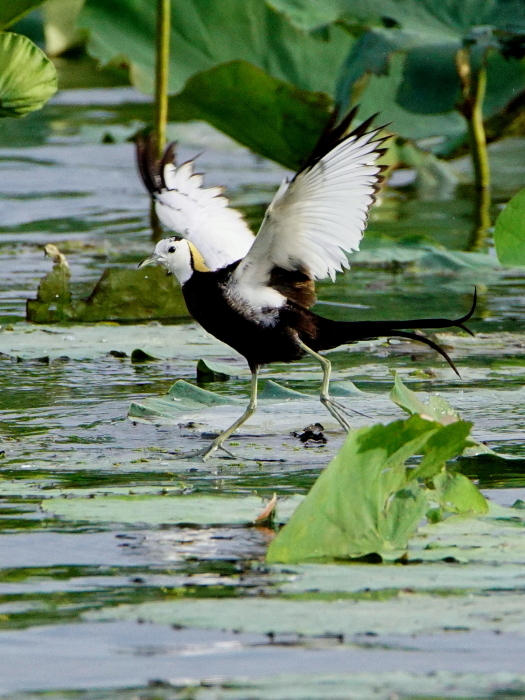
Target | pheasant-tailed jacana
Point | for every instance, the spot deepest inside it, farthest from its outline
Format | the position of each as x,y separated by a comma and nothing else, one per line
255,293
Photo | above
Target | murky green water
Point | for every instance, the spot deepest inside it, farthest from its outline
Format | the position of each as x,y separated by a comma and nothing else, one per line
67,445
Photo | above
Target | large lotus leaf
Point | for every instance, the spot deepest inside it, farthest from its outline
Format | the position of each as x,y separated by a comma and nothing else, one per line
431,85
60,28
430,82
430,32
270,116
13,10
377,684
509,233
206,33
27,77
379,96
444,17
365,502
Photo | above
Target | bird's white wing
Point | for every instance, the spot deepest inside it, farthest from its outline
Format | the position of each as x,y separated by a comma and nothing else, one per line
201,215
316,217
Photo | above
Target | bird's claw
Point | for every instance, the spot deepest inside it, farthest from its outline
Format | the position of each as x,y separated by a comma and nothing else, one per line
345,409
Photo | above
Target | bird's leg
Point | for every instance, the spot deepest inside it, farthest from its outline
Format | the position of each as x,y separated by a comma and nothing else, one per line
335,408
217,444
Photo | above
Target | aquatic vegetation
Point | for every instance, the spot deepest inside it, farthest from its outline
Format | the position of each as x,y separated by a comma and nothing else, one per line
27,77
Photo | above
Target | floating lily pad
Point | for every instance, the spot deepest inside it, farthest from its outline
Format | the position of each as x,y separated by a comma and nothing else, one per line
413,613
380,685
90,341
184,397
209,371
168,509
325,579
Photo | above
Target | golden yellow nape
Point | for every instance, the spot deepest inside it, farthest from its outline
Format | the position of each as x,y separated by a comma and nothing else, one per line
197,260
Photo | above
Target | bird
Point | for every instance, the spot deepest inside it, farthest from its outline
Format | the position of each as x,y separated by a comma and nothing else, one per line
255,293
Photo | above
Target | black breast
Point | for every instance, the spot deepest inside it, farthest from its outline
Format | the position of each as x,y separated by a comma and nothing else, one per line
259,344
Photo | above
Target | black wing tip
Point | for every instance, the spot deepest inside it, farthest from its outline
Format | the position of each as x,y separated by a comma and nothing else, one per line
335,132
151,168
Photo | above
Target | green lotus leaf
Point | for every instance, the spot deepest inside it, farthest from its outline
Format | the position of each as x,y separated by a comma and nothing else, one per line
27,77
366,501
509,233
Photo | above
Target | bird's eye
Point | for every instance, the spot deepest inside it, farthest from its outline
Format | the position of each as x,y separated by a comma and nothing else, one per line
171,249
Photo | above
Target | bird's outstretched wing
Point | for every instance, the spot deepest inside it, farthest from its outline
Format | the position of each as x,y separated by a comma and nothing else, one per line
318,215
201,215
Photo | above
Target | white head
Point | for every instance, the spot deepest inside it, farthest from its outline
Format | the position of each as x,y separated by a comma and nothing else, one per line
178,256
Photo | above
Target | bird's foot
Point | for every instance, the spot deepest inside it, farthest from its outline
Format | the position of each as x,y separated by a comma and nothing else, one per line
345,409
339,411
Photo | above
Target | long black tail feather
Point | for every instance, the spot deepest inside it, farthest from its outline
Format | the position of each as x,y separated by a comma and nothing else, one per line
431,344
340,332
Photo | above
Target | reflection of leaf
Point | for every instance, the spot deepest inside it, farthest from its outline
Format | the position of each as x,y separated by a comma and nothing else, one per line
27,77
509,233
366,501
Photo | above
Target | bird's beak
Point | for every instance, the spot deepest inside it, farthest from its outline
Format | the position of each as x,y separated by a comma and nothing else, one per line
152,260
